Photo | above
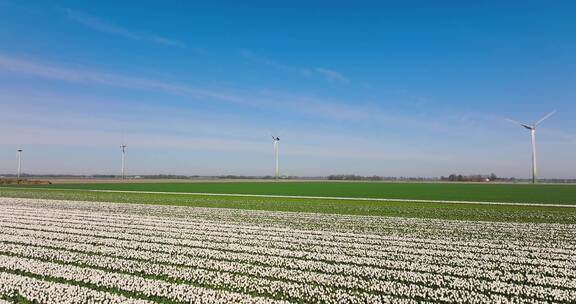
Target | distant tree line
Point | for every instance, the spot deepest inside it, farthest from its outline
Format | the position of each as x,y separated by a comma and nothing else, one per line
166,176
343,177
470,178
354,177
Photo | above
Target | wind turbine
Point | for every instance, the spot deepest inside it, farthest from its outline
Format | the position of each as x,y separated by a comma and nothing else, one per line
123,147
276,140
532,129
19,163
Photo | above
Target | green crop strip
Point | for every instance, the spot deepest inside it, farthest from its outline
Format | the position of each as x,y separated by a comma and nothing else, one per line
495,213
513,193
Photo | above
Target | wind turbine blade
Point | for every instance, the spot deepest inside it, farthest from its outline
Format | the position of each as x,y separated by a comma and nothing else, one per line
529,127
545,117
513,121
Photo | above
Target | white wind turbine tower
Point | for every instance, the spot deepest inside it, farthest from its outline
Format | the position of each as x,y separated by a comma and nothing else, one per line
532,129
123,147
19,172
276,140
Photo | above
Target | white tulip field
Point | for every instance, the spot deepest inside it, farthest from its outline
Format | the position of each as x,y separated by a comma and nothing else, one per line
92,252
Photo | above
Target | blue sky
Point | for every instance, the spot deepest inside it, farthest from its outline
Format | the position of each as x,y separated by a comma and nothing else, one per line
412,88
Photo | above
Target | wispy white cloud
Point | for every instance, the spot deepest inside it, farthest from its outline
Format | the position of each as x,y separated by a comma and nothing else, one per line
332,75
325,73
309,106
87,76
110,28
259,98
246,54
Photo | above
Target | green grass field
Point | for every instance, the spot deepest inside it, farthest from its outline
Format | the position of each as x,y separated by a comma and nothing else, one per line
517,193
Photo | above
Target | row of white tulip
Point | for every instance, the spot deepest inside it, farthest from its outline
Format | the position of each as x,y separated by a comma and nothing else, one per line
554,235
41,291
129,283
183,294
383,274
182,246
391,252
240,282
213,249
292,241
424,253
340,273
561,231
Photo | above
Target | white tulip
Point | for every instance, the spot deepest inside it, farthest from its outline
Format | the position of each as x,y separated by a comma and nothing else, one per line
148,252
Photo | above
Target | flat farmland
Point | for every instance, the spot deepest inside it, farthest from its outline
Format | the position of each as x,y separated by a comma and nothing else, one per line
512,193
167,243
